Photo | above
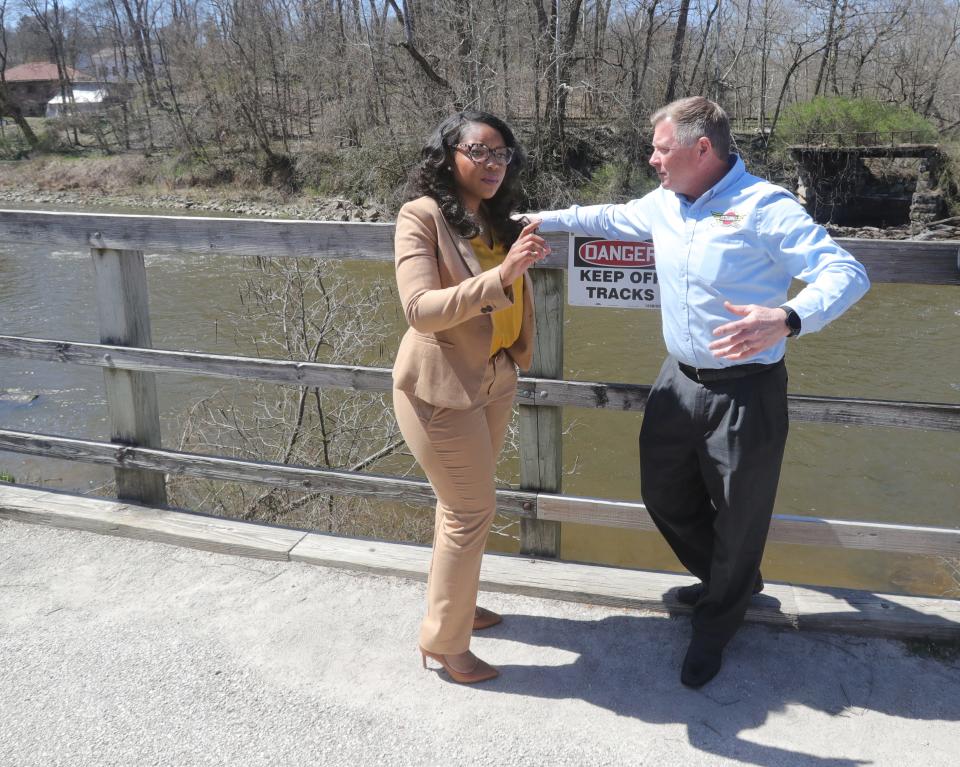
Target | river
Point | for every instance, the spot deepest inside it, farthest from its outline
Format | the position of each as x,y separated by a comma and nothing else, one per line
901,342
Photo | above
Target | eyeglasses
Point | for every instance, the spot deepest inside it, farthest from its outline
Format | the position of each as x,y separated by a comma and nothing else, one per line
482,153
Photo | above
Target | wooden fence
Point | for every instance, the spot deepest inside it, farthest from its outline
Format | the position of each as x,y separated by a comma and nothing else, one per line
130,366
888,138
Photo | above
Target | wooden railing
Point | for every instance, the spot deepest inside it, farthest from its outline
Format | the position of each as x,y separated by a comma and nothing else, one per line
130,366
851,138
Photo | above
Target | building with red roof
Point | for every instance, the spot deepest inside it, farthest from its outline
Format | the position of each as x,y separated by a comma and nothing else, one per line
32,85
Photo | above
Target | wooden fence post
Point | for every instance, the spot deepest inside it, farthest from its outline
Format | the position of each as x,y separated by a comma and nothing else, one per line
541,454
124,317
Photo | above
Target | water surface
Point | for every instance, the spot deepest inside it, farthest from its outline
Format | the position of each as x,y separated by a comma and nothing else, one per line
899,343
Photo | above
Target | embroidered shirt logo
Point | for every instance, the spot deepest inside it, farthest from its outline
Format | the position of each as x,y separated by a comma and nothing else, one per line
729,219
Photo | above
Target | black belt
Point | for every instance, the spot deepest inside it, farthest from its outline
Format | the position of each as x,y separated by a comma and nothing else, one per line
708,375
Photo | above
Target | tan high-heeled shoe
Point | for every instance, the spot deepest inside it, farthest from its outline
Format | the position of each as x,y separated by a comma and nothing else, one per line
481,671
484,618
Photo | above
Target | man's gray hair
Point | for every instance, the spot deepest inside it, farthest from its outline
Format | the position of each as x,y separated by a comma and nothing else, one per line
697,116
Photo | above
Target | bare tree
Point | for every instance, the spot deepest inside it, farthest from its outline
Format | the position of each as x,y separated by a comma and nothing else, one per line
829,46
635,33
557,28
704,42
8,105
314,311
677,52
278,82
140,19
409,44
51,16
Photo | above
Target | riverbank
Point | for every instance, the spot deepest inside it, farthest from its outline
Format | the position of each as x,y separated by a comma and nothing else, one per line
136,183
110,184
319,209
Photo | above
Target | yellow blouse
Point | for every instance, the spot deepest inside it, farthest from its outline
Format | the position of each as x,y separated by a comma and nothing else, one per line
506,322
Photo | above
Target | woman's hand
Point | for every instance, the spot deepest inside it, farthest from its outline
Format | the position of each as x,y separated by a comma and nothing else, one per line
529,248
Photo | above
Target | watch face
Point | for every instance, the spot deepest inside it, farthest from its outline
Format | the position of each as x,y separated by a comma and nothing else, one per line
793,322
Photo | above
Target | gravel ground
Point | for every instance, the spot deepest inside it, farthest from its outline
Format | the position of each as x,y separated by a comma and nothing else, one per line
209,203
121,652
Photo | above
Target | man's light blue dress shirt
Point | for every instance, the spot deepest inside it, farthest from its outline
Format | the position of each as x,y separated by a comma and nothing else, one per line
742,241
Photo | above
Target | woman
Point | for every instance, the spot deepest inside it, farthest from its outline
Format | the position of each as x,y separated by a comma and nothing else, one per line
461,264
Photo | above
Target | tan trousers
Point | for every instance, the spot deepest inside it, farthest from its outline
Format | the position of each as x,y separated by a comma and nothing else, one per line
458,451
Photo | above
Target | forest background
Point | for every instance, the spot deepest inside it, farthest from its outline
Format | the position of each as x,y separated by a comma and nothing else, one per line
335,97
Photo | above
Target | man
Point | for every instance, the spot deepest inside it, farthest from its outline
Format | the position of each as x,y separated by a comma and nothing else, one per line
727,245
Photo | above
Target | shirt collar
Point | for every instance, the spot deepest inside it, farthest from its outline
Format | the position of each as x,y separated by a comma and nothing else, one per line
737,170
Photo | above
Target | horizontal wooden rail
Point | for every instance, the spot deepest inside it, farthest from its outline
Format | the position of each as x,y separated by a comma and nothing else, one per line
811,531
200,234
899,261
198,363
785,528
530,391
917,262
235,470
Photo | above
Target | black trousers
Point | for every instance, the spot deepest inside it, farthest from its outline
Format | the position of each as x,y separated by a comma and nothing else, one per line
710,457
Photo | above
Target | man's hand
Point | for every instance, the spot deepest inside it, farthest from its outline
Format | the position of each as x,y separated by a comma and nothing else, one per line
760,328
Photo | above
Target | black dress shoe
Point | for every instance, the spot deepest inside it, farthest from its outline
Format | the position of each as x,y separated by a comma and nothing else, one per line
690,595
702,662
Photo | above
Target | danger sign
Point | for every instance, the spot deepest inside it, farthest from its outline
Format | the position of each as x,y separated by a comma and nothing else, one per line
612,273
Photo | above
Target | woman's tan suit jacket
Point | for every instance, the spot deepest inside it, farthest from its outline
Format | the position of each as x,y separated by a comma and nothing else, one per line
447,300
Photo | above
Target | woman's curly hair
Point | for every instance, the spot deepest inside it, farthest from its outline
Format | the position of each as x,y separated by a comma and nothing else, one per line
433,177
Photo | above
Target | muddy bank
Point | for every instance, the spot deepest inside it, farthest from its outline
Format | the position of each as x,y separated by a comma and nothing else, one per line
945,229
318,209
341,209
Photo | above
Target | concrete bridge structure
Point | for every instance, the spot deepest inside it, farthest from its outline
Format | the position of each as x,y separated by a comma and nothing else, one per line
134,652
266,647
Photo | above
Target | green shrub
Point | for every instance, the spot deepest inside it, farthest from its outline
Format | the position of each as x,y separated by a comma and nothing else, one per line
373,173
13,145
853,122
11,149
616,182
50,139
948,181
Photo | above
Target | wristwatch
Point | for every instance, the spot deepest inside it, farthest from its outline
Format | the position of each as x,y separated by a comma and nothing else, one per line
793,321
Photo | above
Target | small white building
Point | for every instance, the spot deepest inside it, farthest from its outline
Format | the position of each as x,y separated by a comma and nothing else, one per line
87,97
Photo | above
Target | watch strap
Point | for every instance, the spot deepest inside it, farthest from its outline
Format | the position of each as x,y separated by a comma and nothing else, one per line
793,321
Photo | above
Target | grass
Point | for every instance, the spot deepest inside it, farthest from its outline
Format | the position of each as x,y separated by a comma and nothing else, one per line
55,173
